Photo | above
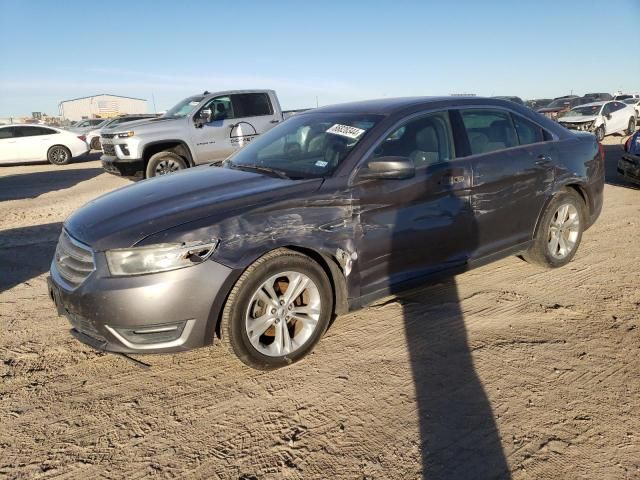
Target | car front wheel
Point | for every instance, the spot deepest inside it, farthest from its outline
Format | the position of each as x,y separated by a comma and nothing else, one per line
600,133
632,126
559,232
277,311
163,163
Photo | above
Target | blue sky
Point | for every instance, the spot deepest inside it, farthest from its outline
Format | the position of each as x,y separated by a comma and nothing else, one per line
334,50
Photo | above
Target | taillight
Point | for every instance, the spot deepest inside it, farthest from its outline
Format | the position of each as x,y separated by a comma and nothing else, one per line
82,137
601,150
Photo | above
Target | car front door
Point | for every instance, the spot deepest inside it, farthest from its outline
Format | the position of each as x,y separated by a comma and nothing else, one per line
8,145
418,225
512,163
211,139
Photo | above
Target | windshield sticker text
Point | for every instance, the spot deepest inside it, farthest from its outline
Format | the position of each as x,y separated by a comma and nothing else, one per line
346,131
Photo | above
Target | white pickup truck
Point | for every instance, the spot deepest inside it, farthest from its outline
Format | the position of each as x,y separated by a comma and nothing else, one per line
200,129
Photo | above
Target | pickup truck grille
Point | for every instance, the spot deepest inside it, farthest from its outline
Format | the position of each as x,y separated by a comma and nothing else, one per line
109,149
108,135
73,260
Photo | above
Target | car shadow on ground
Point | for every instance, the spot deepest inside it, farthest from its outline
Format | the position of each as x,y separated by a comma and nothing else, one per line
32,185
26,252
613,153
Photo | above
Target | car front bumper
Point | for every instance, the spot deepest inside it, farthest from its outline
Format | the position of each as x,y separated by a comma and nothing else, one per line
629,167
155,313
124,168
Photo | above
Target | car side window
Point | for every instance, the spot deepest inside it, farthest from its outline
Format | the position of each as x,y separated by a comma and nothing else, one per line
221,108
9,132
489,130
528,132
34,131
617,106
251,105
425,141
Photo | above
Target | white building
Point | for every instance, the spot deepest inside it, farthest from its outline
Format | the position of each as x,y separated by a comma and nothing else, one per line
103,105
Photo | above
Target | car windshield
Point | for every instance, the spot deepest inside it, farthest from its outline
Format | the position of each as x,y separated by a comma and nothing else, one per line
584,111
305,146
184,108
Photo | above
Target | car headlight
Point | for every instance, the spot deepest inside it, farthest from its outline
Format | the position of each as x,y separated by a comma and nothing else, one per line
125,134
158,258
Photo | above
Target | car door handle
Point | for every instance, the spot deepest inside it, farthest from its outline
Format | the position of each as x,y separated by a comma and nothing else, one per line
451,179
274,121
543,160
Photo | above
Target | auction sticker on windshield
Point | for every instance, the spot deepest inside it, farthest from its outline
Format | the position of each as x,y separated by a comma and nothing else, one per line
346,131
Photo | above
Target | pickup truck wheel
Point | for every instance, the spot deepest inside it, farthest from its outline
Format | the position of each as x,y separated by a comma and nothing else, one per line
59,155
631,127
163,163
560,231
600,133
277,311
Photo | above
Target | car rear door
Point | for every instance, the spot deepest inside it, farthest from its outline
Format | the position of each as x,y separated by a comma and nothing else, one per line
512,163
420,225
254,115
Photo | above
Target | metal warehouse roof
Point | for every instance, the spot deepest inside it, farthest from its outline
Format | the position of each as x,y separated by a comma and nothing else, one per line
100,94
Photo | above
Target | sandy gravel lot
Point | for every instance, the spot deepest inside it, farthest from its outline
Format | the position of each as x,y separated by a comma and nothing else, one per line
507,370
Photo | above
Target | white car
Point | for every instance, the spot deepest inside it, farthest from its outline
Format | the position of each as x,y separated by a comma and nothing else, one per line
30,143
601,118
85,126
635,103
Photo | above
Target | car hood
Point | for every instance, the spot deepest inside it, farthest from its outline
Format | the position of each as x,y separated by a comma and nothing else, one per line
125,217
143,125
577,119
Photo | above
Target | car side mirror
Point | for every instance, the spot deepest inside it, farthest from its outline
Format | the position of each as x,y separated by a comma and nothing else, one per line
396,168
607,116
204,116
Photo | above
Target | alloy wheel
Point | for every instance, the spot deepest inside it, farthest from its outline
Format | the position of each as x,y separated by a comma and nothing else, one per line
59,155
167,166
283,314
564,231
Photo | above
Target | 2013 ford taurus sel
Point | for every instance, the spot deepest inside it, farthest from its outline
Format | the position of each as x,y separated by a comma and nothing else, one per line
323,214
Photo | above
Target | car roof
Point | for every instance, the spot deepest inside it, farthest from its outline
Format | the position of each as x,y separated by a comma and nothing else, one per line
388,106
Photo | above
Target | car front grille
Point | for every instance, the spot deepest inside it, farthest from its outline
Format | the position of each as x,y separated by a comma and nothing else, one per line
108,135
73,260
108,149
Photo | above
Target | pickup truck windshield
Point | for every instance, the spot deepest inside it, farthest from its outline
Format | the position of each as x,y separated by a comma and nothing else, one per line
307,145
184,108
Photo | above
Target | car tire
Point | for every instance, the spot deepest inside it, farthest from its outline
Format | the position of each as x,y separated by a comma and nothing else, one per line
95,144
59,155
631,127
559,232
600,133
163,163
287,329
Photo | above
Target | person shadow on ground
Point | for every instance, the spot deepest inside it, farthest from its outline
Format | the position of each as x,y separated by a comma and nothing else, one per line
459,438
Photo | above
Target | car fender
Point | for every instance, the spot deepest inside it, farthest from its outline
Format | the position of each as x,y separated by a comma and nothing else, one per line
183,143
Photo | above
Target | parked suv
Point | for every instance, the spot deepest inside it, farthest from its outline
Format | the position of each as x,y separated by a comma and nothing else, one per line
323,214
200,129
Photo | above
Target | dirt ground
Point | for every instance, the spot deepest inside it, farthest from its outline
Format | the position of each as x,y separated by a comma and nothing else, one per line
506,370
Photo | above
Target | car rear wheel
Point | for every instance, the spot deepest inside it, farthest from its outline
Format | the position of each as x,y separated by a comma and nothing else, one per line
600,133
95,144
59,155
559,232
631,127
277,311
163,163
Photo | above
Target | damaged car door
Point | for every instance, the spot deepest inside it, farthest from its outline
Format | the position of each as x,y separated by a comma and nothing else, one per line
418,220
